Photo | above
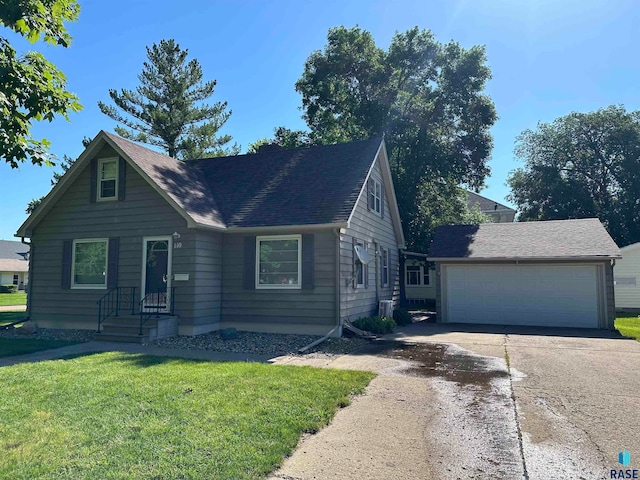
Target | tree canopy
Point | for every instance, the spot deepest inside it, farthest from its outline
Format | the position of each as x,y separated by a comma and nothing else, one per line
33,89
582,165
425,97
167,109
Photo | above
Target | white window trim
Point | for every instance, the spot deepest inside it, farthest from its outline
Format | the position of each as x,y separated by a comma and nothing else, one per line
385,253
421,272
377,198
85,286
284,286
365,271
99,196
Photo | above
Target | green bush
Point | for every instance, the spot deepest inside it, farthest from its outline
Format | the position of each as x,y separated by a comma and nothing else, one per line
8,289
375,324
402,316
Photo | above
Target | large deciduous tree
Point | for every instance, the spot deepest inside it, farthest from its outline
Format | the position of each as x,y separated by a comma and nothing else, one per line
582,165
167,109
425,97
32,88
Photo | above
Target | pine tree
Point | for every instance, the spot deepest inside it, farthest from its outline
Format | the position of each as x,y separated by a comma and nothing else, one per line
167,109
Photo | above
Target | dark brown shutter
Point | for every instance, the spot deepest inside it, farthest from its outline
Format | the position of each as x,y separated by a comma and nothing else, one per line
93,180
67,247
307,261
370,205
112,262
122,175
249,268
382,199
365,273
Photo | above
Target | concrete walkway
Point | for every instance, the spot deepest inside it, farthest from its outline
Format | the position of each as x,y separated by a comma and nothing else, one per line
13,308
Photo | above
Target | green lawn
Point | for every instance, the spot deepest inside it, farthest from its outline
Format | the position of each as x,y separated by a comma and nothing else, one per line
124,416
13,299
628,325
20,346
10,317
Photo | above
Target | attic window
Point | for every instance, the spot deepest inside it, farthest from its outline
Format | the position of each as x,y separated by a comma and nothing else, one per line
375,196
107,179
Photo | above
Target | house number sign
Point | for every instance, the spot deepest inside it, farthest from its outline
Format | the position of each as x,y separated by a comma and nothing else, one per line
177,244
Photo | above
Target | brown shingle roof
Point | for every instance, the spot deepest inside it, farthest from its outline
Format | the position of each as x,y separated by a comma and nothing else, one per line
180,180
306,186
556,239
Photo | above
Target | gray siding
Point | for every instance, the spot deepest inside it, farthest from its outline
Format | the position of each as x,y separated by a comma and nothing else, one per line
376,231
142,213
301,311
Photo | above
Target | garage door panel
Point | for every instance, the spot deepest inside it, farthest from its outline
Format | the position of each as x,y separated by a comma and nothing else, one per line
545,295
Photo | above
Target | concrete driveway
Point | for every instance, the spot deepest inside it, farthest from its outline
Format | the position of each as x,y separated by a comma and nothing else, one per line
481,403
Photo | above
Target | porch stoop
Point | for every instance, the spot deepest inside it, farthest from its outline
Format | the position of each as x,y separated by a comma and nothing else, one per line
126,328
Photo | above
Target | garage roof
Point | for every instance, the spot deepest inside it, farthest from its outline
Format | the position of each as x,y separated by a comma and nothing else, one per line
549,240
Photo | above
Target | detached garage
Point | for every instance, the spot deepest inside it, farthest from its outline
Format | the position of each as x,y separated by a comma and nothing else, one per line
554,273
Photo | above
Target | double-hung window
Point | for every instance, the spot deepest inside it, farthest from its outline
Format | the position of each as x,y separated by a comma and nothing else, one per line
107,179
417,275
375,196
278,261
384,270
89,263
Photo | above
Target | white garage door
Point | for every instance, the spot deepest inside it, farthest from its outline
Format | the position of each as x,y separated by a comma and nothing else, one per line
545,295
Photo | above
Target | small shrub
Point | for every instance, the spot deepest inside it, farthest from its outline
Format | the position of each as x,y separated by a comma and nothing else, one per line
376,324
402,316
8,289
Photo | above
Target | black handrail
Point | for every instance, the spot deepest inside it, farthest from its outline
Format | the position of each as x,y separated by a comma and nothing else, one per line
115,300
146,312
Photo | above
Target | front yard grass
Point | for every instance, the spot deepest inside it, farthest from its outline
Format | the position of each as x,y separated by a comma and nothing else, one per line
124,416
7,299
10,317
628,325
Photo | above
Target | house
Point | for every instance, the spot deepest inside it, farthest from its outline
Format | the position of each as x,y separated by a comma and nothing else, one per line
14,263
293,241
553,273
626,276
496,211
418,285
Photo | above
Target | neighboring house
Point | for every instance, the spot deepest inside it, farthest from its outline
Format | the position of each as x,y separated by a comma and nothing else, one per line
278,241
626,275
14,263
418,280
554,273
496,211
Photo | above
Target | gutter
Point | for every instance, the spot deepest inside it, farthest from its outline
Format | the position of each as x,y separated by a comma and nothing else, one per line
336,232
31,249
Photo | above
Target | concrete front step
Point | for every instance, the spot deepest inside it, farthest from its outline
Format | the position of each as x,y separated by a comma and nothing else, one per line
127,329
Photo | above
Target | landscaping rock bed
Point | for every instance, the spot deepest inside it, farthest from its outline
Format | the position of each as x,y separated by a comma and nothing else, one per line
50,334
261,343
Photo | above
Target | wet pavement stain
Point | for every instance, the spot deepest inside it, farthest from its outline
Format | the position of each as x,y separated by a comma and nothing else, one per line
442,361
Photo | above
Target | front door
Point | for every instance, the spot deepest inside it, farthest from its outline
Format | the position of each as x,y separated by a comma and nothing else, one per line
156,273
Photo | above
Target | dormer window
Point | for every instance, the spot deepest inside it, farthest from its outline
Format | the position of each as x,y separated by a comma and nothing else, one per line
107,179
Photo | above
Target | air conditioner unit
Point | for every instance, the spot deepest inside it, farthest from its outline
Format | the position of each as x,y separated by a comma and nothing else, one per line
385,308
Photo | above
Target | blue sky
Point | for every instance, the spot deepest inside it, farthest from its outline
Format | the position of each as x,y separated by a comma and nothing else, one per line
548,58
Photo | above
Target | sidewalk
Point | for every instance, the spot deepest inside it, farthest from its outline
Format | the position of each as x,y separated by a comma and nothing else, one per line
13,308
96,346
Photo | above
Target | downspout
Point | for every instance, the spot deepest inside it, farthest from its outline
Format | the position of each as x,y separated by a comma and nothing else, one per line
28,312
336,232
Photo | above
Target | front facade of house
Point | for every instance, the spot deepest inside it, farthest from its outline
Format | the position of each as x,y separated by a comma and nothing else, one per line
132,226
627,278
14,264
552,273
